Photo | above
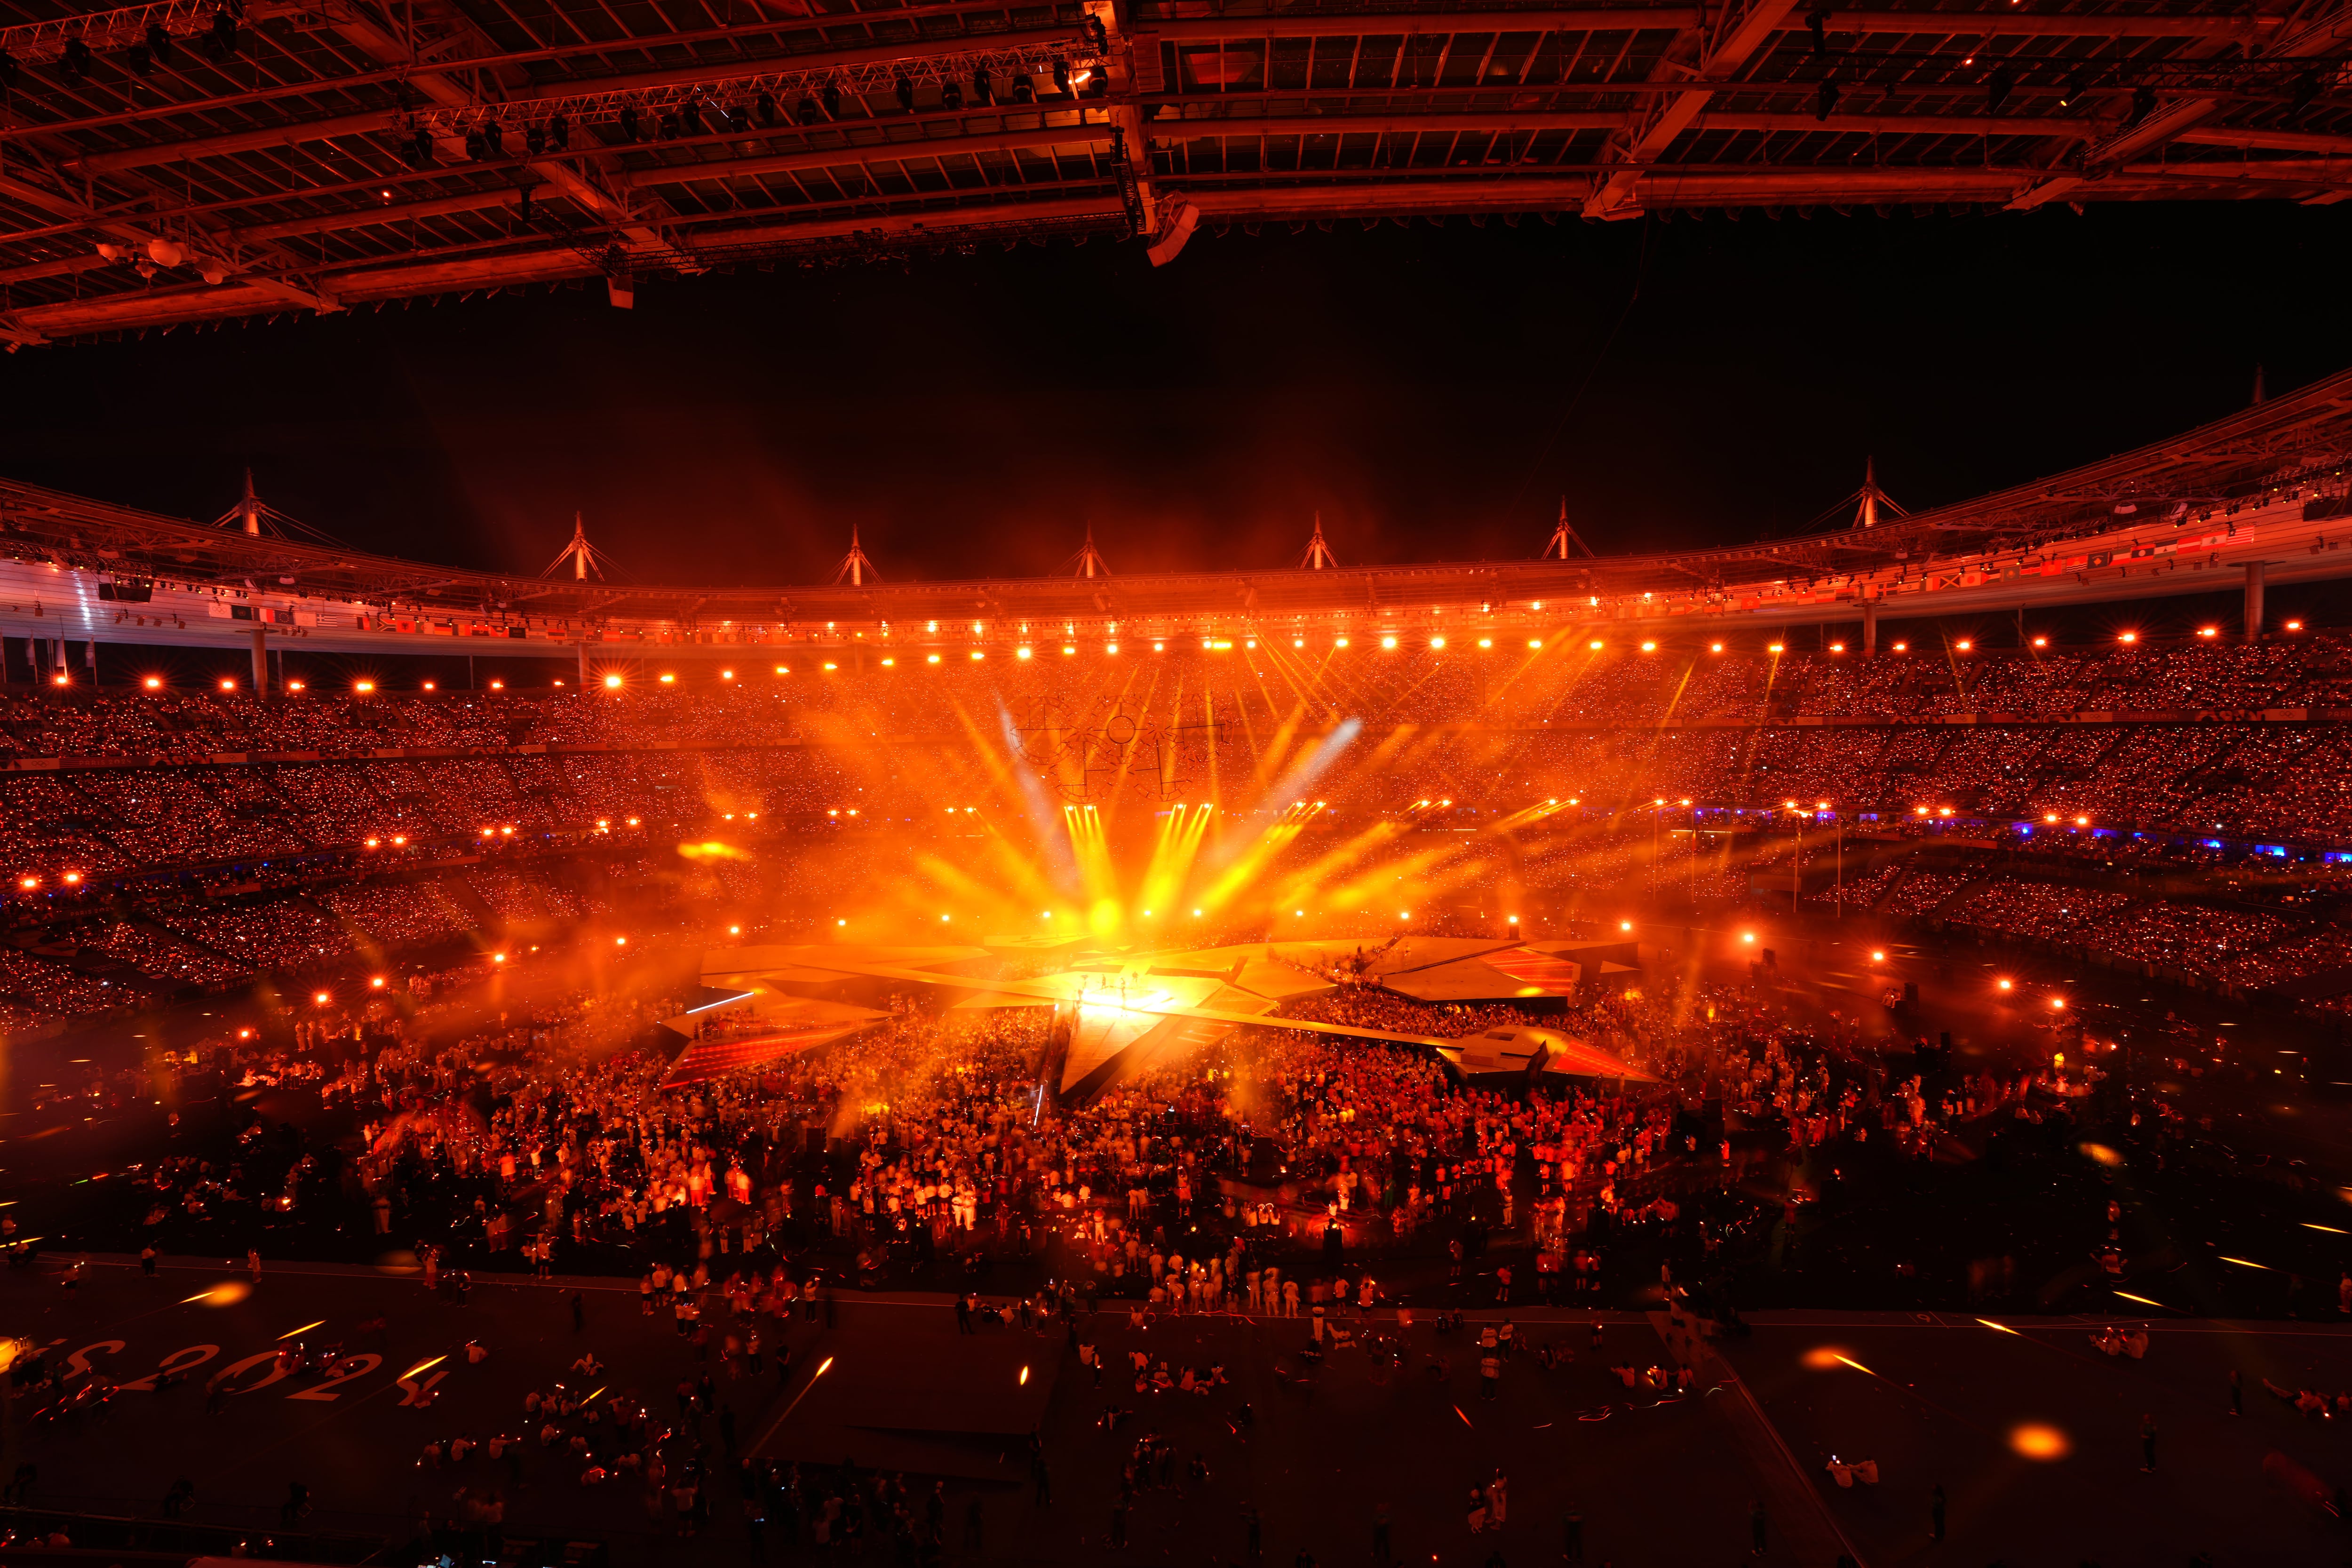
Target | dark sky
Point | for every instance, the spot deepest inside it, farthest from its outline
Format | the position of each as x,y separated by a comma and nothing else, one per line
972,414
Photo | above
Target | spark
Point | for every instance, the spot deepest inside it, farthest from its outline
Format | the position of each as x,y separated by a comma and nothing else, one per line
2142,1300
2243,1263
303,1329
1999,1328
423,1366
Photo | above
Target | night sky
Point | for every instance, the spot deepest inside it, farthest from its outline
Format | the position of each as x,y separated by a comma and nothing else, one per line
973,414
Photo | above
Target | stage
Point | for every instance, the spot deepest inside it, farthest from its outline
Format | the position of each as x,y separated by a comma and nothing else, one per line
1127,1008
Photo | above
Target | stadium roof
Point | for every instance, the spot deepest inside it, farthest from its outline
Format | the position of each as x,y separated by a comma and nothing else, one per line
182,162
2267,483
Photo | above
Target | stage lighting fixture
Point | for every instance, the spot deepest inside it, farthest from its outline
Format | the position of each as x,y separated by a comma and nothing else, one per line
2077,84
1020,653
1097,34
1965,646
10,71
1023,90
950,95
631,130
1535,642
74,63
669,681
1388,642
1997,89
153,683
140,60
417,150
1110,647
665,128
983,90
223,33
559,134
159,44
763,109
1903,648
228,683
1437,642
534,141
2128,637
2142,103
474,146
1837,648
1773,648
832,96
1649,648
1825,98
363,686
690,116
1594,645
904,91
1062,76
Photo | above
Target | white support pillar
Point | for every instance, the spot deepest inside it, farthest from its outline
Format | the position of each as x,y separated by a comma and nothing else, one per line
260,664
2253,601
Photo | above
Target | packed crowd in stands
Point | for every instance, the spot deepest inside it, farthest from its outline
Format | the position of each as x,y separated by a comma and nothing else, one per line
208,871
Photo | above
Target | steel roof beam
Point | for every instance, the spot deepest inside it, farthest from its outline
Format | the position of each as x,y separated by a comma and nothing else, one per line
1147,34
2305,40
1704,56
